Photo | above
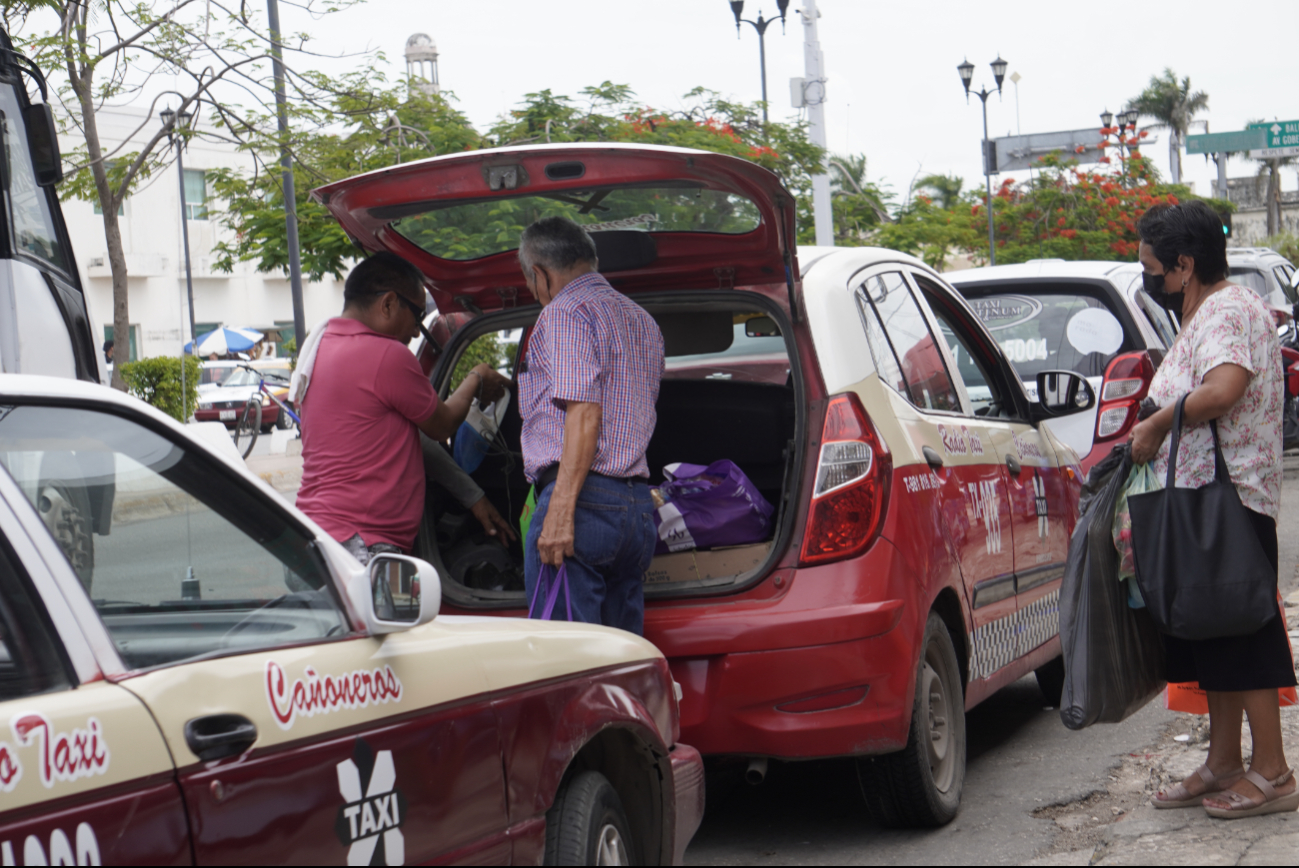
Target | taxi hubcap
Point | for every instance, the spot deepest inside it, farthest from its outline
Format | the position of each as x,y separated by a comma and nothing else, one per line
934,693
610,850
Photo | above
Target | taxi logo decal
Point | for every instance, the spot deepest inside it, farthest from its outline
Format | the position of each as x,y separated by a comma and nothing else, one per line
960,441
317,694
65,756
373,809
1027,448
11,768
1040,505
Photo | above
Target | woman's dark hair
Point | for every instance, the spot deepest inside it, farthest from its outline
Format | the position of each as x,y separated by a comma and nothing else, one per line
380,273
1187,229
556,243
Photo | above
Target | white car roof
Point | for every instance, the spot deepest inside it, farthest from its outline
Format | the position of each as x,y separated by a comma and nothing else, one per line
1038,268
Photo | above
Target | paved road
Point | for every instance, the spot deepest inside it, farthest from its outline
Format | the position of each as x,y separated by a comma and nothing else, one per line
1021,758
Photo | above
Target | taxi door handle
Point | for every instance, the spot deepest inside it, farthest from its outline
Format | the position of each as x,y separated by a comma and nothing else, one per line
1013,464
219,735
932,458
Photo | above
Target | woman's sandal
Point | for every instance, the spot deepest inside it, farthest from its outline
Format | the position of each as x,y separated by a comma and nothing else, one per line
1180,797
1243,806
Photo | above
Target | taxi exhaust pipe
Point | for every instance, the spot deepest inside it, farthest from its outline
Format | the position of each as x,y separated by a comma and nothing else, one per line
757,771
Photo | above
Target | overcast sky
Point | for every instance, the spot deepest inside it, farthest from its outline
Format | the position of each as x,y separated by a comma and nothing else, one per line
893,91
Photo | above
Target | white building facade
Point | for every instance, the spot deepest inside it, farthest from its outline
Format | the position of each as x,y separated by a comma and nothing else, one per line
151,236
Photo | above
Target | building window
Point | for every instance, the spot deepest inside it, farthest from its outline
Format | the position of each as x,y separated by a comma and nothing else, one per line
195,194
134,353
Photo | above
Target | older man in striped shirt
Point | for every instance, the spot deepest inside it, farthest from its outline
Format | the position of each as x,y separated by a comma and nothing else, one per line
587,389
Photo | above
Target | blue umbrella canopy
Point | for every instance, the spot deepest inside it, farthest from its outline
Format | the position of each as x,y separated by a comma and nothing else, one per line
225,340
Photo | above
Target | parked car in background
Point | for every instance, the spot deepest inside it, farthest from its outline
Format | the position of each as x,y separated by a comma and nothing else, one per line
922,509
1266,272
1090,317
219,682
212,374
227,401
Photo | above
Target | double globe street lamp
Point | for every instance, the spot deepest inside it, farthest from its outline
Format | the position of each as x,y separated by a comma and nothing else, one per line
966,69
1127,126
737,7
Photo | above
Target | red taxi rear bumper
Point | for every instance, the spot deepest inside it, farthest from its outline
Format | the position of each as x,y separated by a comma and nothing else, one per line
824,668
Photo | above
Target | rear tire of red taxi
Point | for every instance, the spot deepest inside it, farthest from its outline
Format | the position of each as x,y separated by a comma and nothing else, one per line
587,825
920,785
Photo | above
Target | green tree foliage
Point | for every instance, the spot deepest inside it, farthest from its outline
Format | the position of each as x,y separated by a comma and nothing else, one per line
1285,243
485,349
385,125
858,205
945,190
1173,105
157,381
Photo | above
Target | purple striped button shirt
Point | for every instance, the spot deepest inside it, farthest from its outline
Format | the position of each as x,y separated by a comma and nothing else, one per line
591,344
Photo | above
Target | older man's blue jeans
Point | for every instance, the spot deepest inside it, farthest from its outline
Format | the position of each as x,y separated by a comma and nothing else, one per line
613,542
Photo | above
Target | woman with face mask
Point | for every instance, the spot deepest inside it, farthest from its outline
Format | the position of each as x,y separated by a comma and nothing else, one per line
1225,361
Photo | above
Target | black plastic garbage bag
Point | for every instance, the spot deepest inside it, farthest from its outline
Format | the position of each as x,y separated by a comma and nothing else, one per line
1113,657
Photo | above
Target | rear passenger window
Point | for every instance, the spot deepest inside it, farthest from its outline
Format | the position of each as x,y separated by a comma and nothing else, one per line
906,355
1283,277
29,656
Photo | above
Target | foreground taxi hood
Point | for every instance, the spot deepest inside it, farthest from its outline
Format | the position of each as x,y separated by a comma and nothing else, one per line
364,205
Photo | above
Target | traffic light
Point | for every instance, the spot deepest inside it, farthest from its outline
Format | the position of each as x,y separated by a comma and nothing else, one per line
1226,224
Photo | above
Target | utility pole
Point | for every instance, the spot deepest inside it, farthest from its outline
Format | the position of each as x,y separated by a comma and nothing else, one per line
814,99
286,163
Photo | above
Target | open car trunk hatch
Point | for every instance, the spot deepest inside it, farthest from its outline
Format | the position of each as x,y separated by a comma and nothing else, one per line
661,217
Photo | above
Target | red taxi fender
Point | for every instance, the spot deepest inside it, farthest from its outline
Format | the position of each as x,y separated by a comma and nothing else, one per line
733,629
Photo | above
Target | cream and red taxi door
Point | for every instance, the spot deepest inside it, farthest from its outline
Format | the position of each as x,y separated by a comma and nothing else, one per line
85,776
365,754
1039,506
961,460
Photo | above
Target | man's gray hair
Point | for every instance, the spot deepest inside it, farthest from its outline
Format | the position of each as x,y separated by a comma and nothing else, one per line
556,243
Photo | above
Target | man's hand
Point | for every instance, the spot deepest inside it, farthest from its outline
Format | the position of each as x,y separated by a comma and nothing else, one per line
493,383
556,540
491,520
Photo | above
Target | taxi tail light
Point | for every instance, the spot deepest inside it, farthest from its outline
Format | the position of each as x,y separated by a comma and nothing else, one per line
1289,361
850,495
1127,380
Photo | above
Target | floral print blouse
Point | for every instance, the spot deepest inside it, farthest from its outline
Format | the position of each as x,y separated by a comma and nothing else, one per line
1231,326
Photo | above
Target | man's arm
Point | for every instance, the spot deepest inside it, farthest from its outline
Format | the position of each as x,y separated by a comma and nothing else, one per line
581,436
449,414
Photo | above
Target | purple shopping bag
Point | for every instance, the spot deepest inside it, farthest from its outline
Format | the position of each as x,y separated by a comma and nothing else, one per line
548,584
707,507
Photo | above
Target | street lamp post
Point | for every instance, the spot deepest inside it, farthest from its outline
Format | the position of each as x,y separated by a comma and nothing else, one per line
1127,123
286,170
737,7
169,118
966,69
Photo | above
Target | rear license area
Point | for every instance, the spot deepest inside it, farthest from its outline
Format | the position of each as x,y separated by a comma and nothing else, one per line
227,415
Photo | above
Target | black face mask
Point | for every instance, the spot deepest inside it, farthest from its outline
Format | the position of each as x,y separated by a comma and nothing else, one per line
1153,284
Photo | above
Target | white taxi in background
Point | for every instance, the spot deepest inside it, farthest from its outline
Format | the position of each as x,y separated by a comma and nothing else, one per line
190,670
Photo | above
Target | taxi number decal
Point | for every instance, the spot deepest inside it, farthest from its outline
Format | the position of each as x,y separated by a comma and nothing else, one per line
987,506
65,756
922,482
60,852
960,441
322,694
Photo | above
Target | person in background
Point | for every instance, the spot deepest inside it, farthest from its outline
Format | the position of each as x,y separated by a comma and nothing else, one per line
1225,360
363,468
108,352
587,390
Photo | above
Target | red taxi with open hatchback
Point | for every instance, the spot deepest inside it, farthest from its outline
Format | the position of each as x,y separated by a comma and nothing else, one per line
922,511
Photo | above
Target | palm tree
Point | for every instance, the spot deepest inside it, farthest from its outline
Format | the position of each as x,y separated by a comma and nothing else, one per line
1174,106
849,179
946,189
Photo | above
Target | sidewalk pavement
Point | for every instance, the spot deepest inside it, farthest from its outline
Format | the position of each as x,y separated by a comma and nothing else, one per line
282,471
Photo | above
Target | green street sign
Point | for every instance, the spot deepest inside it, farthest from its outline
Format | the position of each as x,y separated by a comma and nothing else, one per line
1282,139
1227,143
1280,134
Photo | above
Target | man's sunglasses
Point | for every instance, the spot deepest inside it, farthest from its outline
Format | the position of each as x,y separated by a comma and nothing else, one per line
416,311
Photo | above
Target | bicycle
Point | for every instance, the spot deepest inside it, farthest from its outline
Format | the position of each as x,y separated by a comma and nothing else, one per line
250,420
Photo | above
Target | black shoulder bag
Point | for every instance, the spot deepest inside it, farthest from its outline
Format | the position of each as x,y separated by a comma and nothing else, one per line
1199,564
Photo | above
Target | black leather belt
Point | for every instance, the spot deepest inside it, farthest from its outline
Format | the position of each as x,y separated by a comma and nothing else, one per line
551,473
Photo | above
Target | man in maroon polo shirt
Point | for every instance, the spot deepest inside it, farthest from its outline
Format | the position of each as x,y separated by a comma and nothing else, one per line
363,469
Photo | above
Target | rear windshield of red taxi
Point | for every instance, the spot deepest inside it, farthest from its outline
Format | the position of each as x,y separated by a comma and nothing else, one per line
473,229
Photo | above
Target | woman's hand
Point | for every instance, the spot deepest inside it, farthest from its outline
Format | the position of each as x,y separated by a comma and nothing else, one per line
1146,439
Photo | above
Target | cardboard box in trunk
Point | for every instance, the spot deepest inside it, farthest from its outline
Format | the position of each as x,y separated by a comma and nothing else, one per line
712,564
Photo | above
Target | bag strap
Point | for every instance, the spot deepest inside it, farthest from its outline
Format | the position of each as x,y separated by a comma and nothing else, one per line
551,580
1220,471
541,591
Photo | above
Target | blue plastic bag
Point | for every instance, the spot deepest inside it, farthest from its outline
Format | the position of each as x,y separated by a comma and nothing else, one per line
708,507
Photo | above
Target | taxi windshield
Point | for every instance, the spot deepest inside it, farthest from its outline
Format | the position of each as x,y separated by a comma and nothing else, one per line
1055,331
472,229
179,560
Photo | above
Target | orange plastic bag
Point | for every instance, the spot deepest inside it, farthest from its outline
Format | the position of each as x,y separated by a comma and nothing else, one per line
1188,696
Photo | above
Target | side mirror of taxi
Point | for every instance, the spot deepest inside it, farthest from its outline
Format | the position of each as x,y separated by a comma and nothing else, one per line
401,592
1063,393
